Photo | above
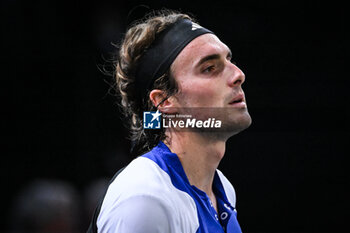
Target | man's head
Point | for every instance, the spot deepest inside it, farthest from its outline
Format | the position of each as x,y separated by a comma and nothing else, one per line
200,75
209,85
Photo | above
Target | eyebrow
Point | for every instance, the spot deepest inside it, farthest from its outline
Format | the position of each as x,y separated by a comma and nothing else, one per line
212,57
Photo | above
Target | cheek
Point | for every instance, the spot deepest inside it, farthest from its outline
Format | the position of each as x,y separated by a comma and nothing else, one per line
199,93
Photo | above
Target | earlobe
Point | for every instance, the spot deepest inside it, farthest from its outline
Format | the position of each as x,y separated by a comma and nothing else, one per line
167,107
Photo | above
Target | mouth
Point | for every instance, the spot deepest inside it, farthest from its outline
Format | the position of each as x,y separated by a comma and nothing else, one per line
238,101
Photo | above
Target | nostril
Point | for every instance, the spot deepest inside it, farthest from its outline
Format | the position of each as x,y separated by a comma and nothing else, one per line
236,79
237,82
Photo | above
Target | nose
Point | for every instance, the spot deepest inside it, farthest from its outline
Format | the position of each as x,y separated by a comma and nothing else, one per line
237,77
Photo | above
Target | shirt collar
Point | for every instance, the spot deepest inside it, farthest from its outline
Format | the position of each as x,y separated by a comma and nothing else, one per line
172,160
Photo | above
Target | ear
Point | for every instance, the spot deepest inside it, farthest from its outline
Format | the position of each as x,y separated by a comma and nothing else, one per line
164,105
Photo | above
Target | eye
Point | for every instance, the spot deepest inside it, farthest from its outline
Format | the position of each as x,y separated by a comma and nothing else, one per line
229,58
209,69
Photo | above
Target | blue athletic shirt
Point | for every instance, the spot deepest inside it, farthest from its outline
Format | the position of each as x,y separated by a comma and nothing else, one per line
153,195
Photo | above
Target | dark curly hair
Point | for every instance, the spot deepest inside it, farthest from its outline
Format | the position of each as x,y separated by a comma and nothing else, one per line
137,39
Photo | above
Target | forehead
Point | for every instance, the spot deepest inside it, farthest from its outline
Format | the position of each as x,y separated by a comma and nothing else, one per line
200,47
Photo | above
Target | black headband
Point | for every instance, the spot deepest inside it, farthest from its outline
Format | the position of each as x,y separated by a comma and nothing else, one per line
163,51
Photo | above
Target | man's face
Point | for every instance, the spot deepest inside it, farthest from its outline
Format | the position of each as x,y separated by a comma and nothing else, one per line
208,79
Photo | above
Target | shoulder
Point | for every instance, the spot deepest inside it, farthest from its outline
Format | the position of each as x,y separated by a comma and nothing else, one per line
141,176
137,214
143,193
229,190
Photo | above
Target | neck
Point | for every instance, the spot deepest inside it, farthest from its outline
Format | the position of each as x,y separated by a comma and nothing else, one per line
200,156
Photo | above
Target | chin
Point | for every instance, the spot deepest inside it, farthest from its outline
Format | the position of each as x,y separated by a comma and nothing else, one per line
237,123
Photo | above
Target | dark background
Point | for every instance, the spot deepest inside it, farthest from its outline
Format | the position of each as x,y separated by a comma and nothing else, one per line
289,169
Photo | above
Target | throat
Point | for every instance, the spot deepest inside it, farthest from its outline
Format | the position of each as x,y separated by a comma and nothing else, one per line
199,157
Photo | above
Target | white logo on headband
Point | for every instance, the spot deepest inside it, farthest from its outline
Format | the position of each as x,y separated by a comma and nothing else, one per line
195,26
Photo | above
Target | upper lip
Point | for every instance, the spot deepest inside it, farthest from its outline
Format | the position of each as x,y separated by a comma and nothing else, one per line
238,98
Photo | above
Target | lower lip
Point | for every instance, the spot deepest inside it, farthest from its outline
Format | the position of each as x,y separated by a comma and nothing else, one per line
239,105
